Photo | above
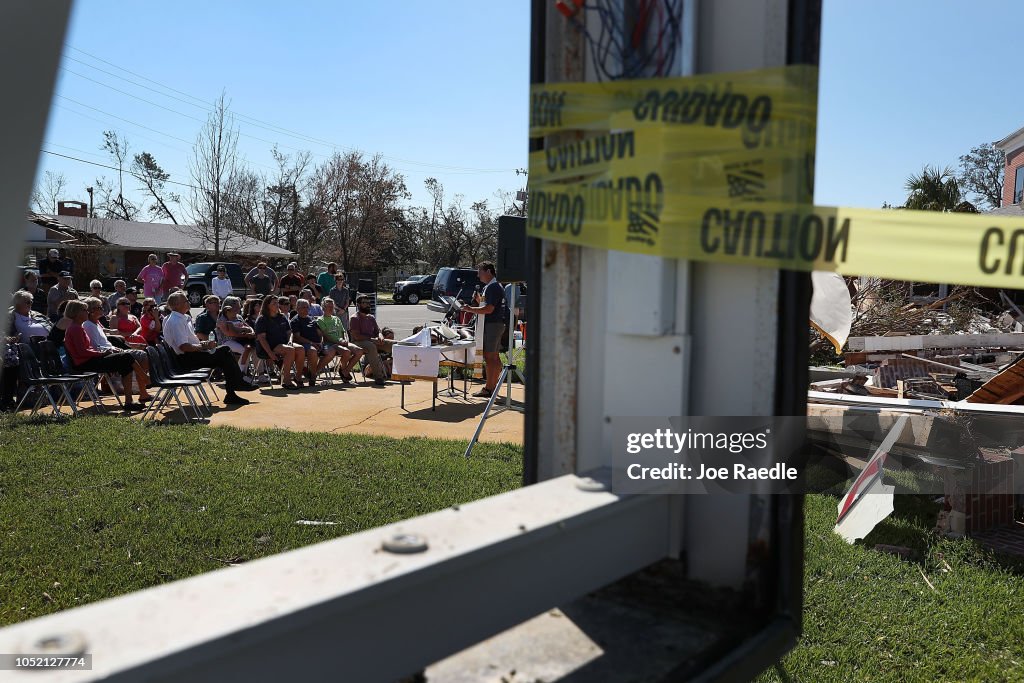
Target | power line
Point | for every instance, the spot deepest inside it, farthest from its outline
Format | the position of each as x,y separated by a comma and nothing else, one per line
112,168
121,118
269,142
107,123
254,121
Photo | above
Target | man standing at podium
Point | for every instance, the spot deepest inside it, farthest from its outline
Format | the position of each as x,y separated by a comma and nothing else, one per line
490,304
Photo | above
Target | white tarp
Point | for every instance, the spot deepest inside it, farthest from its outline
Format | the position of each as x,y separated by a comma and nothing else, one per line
831,309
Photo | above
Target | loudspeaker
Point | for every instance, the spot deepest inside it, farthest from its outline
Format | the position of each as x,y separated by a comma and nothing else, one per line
511,265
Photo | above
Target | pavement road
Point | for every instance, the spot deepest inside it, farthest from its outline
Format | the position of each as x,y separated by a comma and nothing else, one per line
403,317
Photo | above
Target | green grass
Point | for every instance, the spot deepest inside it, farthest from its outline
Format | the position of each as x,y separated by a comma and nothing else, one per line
99,507
870,616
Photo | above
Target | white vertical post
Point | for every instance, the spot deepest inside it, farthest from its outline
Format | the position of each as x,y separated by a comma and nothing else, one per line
733,320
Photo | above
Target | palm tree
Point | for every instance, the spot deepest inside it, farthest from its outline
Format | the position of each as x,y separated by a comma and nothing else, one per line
936,190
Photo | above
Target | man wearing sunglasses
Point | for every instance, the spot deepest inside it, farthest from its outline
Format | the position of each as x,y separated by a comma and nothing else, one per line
261,280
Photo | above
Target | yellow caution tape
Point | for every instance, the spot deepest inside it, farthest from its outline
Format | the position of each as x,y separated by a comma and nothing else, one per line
713,168
634,214
737,106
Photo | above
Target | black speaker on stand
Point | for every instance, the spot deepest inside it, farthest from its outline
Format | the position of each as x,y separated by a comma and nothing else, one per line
511,265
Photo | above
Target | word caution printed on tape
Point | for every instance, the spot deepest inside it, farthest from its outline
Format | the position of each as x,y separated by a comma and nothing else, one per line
718,168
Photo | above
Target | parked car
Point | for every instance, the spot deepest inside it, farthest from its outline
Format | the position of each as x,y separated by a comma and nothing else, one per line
414,288
198,285
457,282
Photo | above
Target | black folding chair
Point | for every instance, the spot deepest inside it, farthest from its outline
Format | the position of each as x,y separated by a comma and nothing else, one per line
168,388
174,368
269,365
53,366
30,374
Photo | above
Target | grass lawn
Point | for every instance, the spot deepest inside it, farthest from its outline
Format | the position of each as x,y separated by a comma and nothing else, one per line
870,616
97,507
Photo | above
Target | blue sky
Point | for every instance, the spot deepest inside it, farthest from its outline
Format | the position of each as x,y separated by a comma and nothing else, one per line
906,83
441,88
434,86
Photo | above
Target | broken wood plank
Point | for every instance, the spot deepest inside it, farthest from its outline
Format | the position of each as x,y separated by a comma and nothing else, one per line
937,341
1005,388
954,368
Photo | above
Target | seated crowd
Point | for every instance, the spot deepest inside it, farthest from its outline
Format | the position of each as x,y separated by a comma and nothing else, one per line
299,332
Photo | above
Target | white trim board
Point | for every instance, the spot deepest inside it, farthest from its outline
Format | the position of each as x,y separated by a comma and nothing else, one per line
937,341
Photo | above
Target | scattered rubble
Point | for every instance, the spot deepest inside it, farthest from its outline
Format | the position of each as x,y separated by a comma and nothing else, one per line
948,362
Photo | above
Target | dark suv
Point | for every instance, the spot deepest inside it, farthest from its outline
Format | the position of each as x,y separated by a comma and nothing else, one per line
199,275
457,282
414,288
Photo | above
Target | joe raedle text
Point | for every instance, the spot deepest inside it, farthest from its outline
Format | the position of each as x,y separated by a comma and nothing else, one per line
677,471
736,454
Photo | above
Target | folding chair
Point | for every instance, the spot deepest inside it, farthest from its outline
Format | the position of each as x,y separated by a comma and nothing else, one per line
177,370
267,365
30,373
53,367
332,371
166,359
167,388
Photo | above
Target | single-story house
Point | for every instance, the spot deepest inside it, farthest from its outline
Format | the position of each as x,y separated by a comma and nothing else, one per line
107,248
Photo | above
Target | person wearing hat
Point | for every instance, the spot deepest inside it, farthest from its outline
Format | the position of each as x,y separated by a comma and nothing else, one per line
221,283
175,273
60,292
134,305
50,269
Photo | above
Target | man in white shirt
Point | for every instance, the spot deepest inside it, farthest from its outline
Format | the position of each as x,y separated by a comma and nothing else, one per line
193,353
29,323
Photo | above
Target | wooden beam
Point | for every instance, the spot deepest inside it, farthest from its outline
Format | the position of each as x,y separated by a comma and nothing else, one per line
938,341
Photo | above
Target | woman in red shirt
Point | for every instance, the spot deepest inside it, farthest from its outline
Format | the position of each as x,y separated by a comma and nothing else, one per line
84,356
150,322
126,323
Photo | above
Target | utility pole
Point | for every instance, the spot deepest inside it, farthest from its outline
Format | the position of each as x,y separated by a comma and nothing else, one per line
522,195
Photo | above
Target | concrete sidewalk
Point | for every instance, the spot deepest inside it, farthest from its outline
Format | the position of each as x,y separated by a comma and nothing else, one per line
366,409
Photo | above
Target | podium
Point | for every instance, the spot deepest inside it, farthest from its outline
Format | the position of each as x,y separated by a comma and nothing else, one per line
422,363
